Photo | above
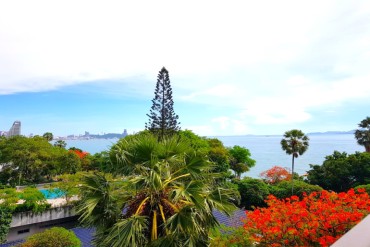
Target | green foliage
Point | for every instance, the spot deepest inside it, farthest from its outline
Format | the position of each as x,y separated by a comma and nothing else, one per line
340,171
253,192
230,236
162,117
33,160
9,197
101,162
284,189
240,160
67,186
48,136
218,155
53,237
363,134
199,144
165,198
5,220
34,201
294,143
60,144
364,186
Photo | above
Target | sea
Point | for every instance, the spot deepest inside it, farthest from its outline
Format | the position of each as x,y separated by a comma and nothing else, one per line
265,149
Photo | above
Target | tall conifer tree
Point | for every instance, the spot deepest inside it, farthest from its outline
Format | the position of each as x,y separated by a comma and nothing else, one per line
162,118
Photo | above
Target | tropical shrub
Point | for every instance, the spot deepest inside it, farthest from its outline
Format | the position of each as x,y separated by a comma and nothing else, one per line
229,236
34,201
340,171
253,192
365,186
284,189
5,220
53,237
319,219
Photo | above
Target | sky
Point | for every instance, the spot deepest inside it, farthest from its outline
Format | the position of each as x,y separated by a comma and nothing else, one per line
236,67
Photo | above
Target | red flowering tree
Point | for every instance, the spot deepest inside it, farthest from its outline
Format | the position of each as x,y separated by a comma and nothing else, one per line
317,220
84,157
81,154
275,175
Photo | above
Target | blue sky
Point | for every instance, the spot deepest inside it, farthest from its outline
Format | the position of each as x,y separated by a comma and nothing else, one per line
236,68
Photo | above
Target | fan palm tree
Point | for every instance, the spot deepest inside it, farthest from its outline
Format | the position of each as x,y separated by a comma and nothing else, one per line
294,143
48,136
166,197
363,135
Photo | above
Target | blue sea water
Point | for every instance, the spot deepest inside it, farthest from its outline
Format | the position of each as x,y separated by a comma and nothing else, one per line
266,150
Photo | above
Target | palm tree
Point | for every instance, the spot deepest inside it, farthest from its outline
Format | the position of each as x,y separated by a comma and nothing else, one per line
48,136
166,197
294,143
363,135
60,143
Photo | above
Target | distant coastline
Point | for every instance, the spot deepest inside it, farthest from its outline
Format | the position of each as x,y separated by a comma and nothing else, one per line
91,136
124,134
333,132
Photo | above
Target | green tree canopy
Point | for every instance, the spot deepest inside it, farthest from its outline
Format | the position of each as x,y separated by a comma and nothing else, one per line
33,160
240,160
340,171
162,117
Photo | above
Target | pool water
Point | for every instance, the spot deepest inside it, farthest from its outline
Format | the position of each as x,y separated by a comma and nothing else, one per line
52,194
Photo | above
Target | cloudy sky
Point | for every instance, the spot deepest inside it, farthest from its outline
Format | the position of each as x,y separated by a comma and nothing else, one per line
236,67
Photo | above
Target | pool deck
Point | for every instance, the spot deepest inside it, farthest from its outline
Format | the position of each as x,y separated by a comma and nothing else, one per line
57,202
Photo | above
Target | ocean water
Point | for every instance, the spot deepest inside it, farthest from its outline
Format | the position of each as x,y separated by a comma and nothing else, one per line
266,150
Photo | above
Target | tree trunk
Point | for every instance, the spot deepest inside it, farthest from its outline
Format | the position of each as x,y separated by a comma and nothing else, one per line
293,174
367,148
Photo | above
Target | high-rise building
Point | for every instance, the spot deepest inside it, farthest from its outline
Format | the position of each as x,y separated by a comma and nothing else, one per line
124,133
15,130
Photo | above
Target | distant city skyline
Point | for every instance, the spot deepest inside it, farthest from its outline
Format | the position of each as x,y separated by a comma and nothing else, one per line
237,68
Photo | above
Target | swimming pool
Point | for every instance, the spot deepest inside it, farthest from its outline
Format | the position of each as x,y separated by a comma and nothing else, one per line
52,193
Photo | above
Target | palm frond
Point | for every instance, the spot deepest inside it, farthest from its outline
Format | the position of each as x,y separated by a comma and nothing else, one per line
127,232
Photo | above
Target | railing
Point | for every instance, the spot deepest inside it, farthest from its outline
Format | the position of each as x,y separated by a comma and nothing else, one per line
28,218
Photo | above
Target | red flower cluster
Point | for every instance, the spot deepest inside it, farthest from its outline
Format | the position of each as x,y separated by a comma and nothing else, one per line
276,174
317,220
79,153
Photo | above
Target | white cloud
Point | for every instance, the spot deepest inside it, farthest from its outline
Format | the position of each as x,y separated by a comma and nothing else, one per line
269,61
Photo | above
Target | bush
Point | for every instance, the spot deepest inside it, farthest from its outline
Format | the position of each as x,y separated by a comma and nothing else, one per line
340,171
5,220
34,201
284,189
53,237
253,192
316,220
365,186
229,236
